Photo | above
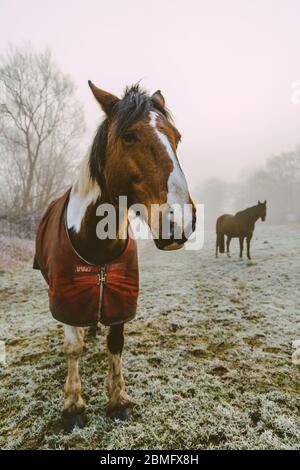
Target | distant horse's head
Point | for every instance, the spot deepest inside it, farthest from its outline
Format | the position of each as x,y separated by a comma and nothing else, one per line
262,210
134,155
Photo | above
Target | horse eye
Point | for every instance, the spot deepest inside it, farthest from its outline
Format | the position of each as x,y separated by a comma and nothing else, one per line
129,137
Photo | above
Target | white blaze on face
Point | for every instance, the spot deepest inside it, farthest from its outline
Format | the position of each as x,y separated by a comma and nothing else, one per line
178,194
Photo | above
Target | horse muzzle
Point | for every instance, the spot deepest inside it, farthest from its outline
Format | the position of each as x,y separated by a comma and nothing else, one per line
169,245
175,241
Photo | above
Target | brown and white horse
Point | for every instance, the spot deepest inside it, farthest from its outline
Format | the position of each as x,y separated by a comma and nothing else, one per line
133,154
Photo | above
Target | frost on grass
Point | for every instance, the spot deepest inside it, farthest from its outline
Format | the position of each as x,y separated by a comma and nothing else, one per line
207,361
15,252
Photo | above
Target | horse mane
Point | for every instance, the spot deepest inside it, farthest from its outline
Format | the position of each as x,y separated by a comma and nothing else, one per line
248,211
97,154
134,105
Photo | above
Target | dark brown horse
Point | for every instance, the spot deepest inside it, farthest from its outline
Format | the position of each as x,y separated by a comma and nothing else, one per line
241,225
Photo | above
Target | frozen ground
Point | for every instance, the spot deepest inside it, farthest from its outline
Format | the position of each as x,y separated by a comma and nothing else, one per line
207,360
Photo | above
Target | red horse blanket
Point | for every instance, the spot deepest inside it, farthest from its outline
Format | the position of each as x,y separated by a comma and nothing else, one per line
81,294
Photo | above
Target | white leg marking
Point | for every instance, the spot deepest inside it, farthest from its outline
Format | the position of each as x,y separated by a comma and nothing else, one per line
73,347
73,334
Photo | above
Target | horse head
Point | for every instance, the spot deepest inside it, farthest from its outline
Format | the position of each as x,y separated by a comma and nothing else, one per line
135,156
262,210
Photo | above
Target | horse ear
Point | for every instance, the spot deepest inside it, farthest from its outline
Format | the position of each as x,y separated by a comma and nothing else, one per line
265,203
259,203
158,98
105,99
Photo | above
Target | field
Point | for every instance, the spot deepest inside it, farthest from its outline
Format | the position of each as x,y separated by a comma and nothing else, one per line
207,360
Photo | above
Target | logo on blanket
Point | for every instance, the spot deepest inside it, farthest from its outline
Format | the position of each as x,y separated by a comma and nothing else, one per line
83,269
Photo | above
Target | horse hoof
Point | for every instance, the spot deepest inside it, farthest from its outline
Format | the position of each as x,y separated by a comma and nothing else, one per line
71,420
123,413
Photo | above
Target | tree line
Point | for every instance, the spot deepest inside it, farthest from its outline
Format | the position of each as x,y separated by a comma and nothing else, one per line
278,181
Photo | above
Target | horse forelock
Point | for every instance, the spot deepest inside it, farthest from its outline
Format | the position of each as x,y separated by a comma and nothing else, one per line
135,105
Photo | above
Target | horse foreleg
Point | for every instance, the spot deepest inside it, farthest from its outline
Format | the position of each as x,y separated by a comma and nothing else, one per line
248,246
217,246
118,404
73,413
241,246
227,246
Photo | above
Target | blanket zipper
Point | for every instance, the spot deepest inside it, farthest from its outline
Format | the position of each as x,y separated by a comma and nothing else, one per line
101,278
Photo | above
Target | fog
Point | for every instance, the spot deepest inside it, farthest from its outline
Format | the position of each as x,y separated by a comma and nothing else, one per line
226,69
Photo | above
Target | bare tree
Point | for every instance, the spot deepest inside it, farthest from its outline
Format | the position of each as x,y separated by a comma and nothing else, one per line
284,173
40,125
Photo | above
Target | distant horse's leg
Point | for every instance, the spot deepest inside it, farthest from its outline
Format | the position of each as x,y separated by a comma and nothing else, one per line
227,246
248,246
217,246
241,246
119,404
73,413
94,330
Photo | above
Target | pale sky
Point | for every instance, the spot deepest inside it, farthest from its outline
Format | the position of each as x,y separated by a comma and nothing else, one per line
224,67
